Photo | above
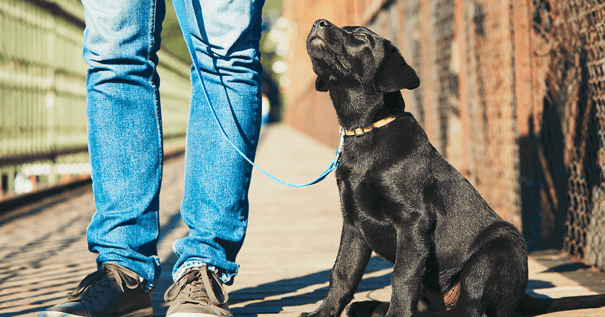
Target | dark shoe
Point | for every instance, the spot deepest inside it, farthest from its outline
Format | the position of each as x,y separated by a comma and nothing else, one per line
112,291
198,293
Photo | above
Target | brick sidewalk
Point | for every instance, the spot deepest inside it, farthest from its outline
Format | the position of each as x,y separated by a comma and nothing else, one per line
290,247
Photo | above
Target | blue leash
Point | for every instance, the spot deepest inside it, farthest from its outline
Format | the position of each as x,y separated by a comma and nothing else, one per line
181,13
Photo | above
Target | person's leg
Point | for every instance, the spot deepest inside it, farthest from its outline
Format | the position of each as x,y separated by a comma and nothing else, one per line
121,40
226,37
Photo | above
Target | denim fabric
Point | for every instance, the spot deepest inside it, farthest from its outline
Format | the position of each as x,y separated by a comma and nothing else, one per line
226,37
125,132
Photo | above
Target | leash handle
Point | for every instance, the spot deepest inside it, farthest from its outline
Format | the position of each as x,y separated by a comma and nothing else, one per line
181,12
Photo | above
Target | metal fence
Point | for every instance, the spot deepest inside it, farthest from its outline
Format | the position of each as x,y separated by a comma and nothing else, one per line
43,96
573,130
512,94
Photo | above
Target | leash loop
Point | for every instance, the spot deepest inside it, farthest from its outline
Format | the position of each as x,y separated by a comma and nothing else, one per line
181,13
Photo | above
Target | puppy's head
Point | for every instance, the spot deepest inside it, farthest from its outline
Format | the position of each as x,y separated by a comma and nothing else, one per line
355,57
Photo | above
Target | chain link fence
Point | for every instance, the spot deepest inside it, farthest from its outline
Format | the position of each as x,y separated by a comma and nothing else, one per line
573,131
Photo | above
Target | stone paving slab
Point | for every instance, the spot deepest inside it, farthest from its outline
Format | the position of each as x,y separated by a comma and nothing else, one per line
285,262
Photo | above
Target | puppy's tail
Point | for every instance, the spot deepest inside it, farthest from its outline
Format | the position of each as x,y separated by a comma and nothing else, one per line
530,305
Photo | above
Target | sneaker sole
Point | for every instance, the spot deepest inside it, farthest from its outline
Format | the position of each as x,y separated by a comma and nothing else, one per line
146,312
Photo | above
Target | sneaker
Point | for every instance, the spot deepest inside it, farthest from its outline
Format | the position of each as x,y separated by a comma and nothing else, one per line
112,291
198,293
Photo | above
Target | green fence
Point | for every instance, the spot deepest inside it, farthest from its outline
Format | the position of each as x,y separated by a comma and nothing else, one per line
43,97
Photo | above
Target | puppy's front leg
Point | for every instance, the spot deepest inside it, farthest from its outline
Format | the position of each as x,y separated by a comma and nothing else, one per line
353,257
406,280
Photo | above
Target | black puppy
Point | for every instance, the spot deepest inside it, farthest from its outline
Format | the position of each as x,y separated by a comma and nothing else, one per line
402,200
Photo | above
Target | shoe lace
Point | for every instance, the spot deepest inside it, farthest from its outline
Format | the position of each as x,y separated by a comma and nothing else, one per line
198,288
95,284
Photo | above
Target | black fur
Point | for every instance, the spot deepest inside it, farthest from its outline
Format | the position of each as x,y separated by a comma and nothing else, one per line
402,200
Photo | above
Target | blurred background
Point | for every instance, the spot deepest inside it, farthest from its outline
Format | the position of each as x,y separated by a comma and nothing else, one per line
511,94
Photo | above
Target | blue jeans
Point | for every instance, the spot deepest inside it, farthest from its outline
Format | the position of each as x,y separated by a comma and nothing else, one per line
121,40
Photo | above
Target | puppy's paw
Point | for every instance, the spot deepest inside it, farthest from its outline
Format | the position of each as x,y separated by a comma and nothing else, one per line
366,309
317,313
381,310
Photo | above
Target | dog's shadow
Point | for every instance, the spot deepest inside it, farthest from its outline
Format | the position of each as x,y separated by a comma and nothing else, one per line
260,296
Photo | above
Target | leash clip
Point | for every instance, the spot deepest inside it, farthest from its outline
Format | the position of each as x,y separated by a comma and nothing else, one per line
342,133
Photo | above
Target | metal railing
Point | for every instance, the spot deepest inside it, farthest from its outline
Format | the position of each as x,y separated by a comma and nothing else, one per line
43,93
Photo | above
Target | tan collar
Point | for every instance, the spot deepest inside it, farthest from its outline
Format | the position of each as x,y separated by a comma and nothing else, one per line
377,124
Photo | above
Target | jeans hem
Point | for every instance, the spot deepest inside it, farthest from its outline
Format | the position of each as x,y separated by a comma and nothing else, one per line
225,277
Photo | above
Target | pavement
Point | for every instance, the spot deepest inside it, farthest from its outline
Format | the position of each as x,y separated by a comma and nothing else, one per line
291,244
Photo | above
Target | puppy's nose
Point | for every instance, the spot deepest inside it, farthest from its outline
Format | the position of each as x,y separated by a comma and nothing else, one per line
320,24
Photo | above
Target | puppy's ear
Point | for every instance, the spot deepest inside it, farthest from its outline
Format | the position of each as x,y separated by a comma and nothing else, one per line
393,73
320,85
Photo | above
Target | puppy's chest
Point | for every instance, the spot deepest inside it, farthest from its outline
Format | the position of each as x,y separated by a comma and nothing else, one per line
373,214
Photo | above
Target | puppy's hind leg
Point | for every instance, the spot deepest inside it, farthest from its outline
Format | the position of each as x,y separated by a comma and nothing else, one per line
492,282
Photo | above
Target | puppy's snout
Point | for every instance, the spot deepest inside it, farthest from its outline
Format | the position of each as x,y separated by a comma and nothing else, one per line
320,24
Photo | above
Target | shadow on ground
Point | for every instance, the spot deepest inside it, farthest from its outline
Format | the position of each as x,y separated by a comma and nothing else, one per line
262,303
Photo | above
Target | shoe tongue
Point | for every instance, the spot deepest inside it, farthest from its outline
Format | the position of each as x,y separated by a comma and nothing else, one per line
188,277
121,274
216,293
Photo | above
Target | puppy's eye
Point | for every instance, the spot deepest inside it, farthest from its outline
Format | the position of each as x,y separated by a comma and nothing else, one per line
361,36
